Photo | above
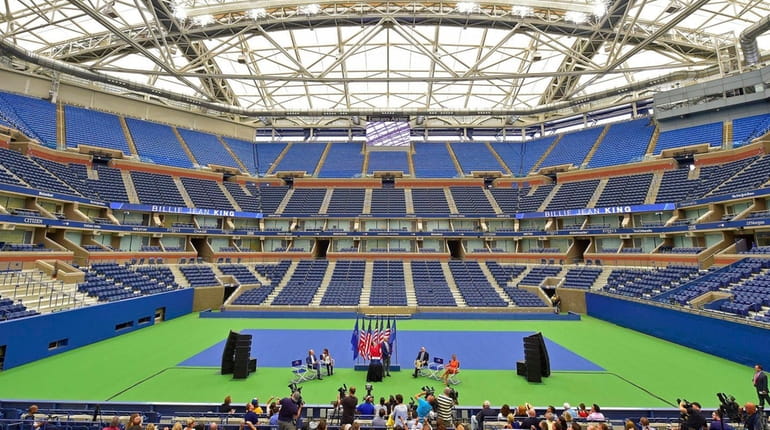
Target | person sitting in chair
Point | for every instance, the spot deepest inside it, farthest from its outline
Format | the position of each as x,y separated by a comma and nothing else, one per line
313,363
451,369
421,361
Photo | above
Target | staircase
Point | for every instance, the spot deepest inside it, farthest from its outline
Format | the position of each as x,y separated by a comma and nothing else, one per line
450,200
408,201
536,166
595,146
598,192
61,127
548,198
186,197
127,135
602,279
495,285
179,277
322,160
367,201
653,141
133,197
506,170
229,197
365,167
285,201
282,283
184,146
327,199
450,281
492,201
324,284
278,159
652,193
366,292
411,296
455,161
232,154
410,162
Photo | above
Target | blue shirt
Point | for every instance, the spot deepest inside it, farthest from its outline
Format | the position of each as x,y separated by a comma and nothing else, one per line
423,408
366,408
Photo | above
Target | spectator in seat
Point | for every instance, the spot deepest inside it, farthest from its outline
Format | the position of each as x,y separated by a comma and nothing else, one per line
486,413
379,420
134,422
226,406
596,414
717,423
251,418
114,424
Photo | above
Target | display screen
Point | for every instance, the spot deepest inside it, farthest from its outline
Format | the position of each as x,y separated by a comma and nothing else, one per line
387,133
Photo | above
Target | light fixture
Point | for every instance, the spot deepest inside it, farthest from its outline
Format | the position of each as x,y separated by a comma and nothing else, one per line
257,13
522,11
109,10
576,17
310,9
467,7
203,20
180,12
599,8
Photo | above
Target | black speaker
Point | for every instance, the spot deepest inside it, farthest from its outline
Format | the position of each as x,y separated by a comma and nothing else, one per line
536,363
228,353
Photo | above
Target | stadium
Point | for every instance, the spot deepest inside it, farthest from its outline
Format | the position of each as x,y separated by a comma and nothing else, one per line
570,196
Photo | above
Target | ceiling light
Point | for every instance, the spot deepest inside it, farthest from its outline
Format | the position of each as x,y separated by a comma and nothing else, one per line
522,11
203,20
576,17
180,12
599,9
310,9
257,13
467,7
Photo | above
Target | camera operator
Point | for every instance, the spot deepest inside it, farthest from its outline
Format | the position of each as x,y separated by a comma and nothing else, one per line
694,421
424,405
717,421
445,407
349,404
752,419
291,408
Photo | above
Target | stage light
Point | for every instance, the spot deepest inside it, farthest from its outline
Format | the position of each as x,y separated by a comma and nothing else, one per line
310,9
467,7
576,17
203,20
257,13
522,11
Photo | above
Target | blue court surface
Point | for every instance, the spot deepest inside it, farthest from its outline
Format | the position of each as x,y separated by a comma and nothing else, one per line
475,350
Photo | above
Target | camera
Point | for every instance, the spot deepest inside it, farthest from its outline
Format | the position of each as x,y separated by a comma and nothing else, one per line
342,390
454,395
369,388
428,390
729,408
296,389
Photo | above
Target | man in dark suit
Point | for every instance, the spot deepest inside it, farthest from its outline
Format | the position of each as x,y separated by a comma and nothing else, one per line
385,350
421,361
313,363
760,383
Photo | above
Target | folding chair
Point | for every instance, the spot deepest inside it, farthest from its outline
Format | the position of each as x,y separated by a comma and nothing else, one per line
301,372
454,379
434,369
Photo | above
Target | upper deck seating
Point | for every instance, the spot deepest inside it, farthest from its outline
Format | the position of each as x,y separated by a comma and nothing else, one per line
747,128
305,201
301,157
392,161
432,160
157,143
531,202
429,201
32,116
521,157
712,176
257,157
508,198
94,128
572,148
246,202
388,201
388,284
625,190
32,173
73,174
347,201
750,178
346,284
573,195
474,285
471,200
706,133
343,160
207,149
157,189
206,194
674,186
625,142
430,284
303,284
475,156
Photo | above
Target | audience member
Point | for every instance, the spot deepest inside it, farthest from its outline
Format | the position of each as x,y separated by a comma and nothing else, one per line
134,422
531,422
349,404
400,412
257,409
717,423
596,414
189,424
251,418
213,426
486,413
569,409
367,407
575,426
114,424
424,408
290,411
582,411
752,420
504,411
379,419
274,415
644,423
150,426
695,421
445,409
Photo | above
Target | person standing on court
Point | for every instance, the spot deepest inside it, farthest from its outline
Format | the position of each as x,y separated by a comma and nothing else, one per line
760,383
385,351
